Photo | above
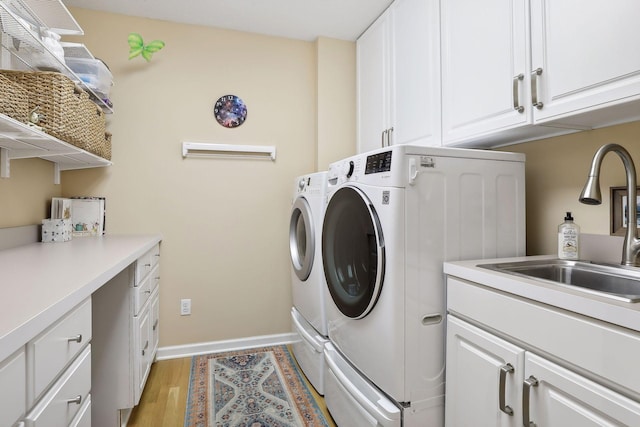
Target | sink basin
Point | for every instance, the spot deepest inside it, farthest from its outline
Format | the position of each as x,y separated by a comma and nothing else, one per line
617,282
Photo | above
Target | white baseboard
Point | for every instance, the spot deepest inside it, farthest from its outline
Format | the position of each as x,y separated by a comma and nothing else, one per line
188,350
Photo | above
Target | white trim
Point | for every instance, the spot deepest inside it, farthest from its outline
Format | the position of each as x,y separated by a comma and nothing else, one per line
188,350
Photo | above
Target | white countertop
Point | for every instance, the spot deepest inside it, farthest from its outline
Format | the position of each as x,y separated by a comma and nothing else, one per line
40,282
619,313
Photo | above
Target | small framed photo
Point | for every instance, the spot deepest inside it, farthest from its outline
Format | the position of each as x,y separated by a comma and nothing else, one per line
619,211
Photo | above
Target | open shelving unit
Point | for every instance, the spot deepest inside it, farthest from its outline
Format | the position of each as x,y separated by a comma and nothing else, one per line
21,45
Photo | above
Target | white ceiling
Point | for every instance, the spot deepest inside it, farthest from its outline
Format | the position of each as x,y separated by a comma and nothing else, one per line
298,19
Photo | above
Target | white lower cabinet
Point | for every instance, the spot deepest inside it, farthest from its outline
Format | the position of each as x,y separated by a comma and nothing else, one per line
47,381
13,388
491,381
482,377
62,401
126,333
516,363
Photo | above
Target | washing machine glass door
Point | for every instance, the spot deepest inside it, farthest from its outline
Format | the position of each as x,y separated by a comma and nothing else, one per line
353,252
301,238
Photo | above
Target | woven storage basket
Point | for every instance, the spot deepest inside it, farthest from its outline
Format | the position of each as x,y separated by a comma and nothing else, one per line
57,99
93,123
14,101
106,153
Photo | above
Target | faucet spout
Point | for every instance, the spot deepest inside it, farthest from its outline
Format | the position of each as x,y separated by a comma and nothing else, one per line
591,195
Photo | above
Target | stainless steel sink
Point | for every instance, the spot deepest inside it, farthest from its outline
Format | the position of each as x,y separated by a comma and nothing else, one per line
617,282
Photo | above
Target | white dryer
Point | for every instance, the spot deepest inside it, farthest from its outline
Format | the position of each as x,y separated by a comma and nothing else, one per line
393,217
308,314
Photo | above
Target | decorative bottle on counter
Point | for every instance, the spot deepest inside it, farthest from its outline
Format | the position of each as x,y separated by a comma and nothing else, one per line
568,238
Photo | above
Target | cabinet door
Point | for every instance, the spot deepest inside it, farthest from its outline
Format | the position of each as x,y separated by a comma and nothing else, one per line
142,349
415,85
588,53
555,396
484,49
482,371
372,56
155,324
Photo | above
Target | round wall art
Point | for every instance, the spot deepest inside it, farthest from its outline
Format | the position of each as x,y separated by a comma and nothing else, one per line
230,111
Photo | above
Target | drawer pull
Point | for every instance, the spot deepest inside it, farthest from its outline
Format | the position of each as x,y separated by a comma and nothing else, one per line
77,400
506,369
516,97
155,324
147,292
77,338
534,88
148,265
526,391
156,254
146,346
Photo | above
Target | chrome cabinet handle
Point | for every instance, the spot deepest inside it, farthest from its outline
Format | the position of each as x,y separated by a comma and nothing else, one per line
516,96
528,383
146,346
506,369
77,338
534,88
389,134
155,325
77,400
384,134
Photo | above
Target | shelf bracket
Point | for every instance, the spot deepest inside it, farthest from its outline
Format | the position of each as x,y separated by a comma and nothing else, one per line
5,163
56,174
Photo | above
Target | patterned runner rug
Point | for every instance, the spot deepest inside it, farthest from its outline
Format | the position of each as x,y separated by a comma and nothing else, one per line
260,387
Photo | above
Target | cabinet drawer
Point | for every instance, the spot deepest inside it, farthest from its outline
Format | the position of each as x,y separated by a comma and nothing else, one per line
61,403
142,293
146,262
51,351
13,393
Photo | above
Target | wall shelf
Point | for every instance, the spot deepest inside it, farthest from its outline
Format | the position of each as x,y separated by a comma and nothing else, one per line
24,44
202,149
20,141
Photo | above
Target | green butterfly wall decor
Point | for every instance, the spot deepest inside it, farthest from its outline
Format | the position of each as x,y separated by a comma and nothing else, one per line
137,47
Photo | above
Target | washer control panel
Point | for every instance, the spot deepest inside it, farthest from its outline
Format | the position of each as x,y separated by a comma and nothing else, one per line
380,162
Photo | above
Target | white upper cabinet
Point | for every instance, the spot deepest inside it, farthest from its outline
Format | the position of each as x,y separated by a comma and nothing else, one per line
373,84
588,53
484,53
517,70
398,66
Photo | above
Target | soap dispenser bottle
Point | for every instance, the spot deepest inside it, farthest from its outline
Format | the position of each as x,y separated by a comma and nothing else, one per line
568,238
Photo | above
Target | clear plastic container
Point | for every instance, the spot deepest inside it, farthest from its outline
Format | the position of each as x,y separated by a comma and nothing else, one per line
93,72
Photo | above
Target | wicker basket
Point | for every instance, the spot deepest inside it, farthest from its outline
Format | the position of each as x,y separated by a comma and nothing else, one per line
92,122
57,99
14,101
107,146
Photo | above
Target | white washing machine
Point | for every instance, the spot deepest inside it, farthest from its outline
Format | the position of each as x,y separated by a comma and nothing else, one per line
308,314
393,217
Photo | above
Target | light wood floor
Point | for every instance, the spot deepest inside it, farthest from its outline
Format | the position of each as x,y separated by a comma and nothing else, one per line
164,400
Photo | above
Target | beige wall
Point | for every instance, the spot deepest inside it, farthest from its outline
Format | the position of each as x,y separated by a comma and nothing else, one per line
224,221
336,101
556,170
25,196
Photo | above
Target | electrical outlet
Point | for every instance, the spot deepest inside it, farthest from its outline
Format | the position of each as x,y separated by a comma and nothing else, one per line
185,307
